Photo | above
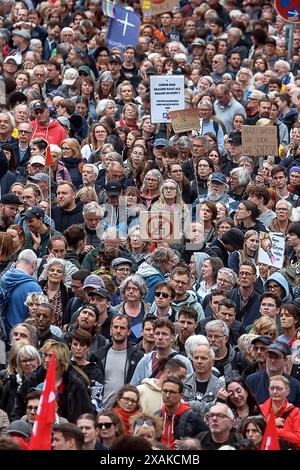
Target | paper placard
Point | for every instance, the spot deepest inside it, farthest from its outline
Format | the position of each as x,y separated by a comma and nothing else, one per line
271,249
160,226
185,120
259,141
166,94
158,6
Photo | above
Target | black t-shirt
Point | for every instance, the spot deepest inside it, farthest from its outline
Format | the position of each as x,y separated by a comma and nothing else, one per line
201,387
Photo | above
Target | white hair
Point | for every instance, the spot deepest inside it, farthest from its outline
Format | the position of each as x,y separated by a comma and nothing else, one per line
93,167
193,342
92,208
282,63
27,256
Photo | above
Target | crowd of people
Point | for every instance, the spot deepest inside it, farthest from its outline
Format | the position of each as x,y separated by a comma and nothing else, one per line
165,342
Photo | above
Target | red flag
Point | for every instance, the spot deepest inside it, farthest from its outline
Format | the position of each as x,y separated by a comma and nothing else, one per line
48,159
42,428
270,439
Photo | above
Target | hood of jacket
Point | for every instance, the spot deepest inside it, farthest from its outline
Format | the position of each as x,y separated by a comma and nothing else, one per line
152,384
278,277
146,270
53,124
14,277
189,301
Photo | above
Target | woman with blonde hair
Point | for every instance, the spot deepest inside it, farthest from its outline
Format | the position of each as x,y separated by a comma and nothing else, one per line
151,187
264,326
87,194
72,159
137,247
97,136
170,198
130,116
146,425
248,253
72,396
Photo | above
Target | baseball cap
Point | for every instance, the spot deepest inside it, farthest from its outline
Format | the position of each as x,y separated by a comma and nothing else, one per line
36,159
40,177
70,76
279,349
198,42
39,105
10,57
263,339
235,138
22,33
234,237
63,121
19,428
93,281
113,188
219,177
117,261
10,198
34,211
85,69
160,143
115,58
101,293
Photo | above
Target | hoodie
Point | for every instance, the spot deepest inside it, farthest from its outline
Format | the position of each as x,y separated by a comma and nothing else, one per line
152,275
63,219
169,423
190,301
52,132
278,277
150,395
290,431
17,285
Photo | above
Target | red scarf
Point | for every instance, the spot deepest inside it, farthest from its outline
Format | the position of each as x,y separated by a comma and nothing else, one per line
125,417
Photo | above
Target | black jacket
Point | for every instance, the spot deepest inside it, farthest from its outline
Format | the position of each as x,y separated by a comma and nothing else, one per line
66,294
63,219
72,402
207,442
250,312
8,391
134,355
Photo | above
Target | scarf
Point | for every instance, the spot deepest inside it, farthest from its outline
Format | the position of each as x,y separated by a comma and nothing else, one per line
125,418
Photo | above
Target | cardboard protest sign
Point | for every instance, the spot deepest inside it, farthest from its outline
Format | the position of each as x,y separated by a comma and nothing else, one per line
156,7
167,94
259,140
271,249
185,120
160,226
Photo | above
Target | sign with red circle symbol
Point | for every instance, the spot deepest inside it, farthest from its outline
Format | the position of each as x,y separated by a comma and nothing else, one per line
160,226
289,10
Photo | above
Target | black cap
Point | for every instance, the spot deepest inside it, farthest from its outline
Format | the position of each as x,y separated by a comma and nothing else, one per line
39,105
235,138
263,339
10,198
34,211
113,188
278,349
115,58
101,293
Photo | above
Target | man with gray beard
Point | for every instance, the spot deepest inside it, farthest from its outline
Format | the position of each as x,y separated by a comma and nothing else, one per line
217,189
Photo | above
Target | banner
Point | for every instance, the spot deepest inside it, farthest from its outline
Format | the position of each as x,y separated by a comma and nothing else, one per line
123,29
271,249
156,7
185,120
166,94
270,439
259,140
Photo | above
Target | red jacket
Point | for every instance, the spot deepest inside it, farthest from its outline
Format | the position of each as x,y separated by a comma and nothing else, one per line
53,132
291,428
169,424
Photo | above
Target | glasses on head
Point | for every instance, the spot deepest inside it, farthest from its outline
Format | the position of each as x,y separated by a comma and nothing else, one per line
165,295
32,408
129,400
216,416
143,422
107,425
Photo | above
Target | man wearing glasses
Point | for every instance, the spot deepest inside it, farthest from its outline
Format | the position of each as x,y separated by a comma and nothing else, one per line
164,296
220,420
121,270
45,127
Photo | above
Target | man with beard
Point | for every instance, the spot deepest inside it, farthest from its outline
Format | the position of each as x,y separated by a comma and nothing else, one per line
118,360
9,205
92,215
217,189
252,106
68,211
45,127
89,176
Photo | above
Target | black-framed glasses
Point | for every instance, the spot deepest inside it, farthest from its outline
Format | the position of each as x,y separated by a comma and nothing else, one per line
105,425
129,400
165,295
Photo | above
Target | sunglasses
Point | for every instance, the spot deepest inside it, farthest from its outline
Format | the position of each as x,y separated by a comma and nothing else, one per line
162,294
105,425
142,422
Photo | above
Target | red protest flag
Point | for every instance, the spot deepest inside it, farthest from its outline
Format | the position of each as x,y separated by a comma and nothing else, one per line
48,160
42,428
270,439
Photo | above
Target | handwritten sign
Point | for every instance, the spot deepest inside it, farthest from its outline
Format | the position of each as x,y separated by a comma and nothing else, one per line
158,226
166,94
259,141
156,7
271,249
185,120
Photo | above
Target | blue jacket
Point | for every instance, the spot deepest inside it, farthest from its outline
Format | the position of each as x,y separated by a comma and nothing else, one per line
259,384
17,285
280,279
152,275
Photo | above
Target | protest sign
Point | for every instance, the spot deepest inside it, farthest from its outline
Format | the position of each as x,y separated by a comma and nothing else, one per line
167,94
185,120
156,7
123,29
160,226
259,140
271,249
